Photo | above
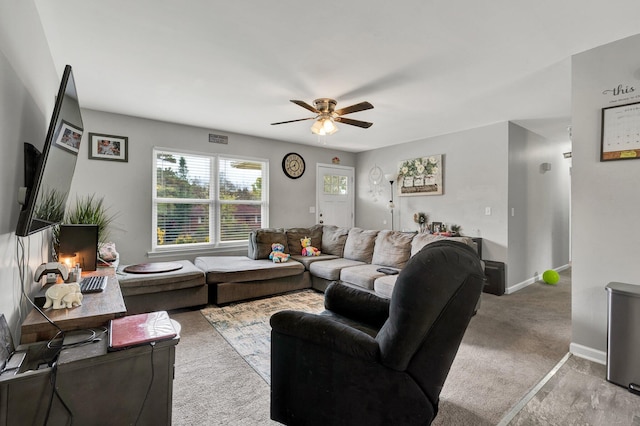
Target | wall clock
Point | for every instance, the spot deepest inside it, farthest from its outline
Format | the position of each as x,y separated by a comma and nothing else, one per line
293,165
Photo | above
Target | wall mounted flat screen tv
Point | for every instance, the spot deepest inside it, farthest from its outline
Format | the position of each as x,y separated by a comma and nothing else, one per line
48,173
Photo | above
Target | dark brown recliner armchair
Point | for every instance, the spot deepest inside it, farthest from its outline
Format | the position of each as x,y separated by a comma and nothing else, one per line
374,361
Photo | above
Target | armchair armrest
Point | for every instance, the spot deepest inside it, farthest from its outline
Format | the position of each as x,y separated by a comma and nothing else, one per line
357,305
324,331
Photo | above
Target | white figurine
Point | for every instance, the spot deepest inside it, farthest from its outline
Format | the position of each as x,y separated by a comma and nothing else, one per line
61,296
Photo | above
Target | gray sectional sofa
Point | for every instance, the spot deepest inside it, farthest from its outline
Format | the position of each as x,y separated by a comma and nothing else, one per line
350,255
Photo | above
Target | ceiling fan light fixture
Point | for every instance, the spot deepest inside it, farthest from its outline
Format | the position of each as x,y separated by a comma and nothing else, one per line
318,128
324,126
329,126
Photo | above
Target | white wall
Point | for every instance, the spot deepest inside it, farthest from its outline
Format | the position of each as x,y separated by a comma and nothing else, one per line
605,195
539,205
126,187
475,177
28,85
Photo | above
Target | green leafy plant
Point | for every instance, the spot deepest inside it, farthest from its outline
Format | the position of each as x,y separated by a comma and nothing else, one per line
91,210
87,210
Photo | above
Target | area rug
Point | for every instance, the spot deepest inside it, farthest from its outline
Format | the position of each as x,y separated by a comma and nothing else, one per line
245,325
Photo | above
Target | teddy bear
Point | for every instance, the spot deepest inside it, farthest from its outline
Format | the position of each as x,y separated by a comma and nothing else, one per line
307,248
277,253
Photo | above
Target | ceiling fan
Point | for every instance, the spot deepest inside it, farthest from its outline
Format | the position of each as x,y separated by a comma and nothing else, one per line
327,115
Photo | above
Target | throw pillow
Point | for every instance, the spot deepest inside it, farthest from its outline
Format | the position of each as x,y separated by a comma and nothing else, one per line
359,244
333,240
392,248
294,235
260,242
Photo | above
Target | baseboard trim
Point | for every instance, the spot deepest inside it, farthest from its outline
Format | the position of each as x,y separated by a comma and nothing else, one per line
536,278
588,353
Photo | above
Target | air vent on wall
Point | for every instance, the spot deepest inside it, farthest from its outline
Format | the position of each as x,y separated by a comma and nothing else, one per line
213,138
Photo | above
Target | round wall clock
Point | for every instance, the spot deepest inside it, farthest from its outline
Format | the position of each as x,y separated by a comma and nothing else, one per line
293,165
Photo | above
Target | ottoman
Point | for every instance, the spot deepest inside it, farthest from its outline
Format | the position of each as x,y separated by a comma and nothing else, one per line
234,278
163,291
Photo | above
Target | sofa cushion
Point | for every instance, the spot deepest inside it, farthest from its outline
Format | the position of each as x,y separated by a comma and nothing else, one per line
383,286
220,269
392,248
186,277
361,276
260,242
330,269
308,260
421,240
295,234
359,244
333,240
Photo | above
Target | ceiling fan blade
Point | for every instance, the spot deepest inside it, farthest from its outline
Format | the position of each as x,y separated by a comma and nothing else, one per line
305,105
354,108
293,121
363,124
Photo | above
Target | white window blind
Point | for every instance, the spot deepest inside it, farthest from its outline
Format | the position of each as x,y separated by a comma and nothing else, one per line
204,200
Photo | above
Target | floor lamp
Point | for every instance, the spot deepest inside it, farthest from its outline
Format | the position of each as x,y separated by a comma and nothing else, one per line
391,178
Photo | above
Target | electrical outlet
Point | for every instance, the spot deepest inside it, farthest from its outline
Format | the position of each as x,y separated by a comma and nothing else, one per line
487,211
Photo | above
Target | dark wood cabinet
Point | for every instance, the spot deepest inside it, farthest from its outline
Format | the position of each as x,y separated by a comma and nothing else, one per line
93,386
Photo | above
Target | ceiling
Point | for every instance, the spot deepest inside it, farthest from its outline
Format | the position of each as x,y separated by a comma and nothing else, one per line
429,67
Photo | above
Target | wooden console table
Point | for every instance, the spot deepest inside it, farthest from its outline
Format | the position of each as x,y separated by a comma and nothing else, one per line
96,311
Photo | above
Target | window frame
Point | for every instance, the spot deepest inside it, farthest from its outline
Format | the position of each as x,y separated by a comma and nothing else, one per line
213,201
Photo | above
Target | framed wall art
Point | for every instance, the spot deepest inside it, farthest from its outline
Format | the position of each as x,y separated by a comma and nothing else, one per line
620,132
108,147
69,137
420,176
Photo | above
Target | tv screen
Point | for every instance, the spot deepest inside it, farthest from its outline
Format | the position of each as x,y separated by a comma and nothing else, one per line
48,173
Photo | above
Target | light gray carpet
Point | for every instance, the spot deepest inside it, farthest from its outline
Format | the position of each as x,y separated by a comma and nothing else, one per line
213,385
510,345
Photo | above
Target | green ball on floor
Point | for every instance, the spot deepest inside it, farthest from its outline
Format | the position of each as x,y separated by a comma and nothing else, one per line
551,277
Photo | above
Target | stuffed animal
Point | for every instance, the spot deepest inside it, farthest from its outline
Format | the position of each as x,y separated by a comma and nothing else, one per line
307,248
277,253
60,296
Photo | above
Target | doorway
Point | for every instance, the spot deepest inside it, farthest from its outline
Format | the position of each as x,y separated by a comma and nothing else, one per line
335,199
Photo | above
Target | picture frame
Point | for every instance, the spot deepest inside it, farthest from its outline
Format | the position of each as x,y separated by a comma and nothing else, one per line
435,227
69,137
620,138
421,176
108,147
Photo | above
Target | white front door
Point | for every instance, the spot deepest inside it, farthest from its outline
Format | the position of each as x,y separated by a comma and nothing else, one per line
335,195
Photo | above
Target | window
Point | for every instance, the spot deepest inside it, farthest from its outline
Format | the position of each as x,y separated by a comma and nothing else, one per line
206,200
335,185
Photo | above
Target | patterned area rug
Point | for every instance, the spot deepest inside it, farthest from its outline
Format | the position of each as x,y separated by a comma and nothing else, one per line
245,325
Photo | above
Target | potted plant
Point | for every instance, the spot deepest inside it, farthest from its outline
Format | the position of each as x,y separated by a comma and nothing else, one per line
421,219
88,210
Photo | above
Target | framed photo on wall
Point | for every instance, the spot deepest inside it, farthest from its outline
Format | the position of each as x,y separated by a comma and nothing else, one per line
69,137
420,176
108,147
620,132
